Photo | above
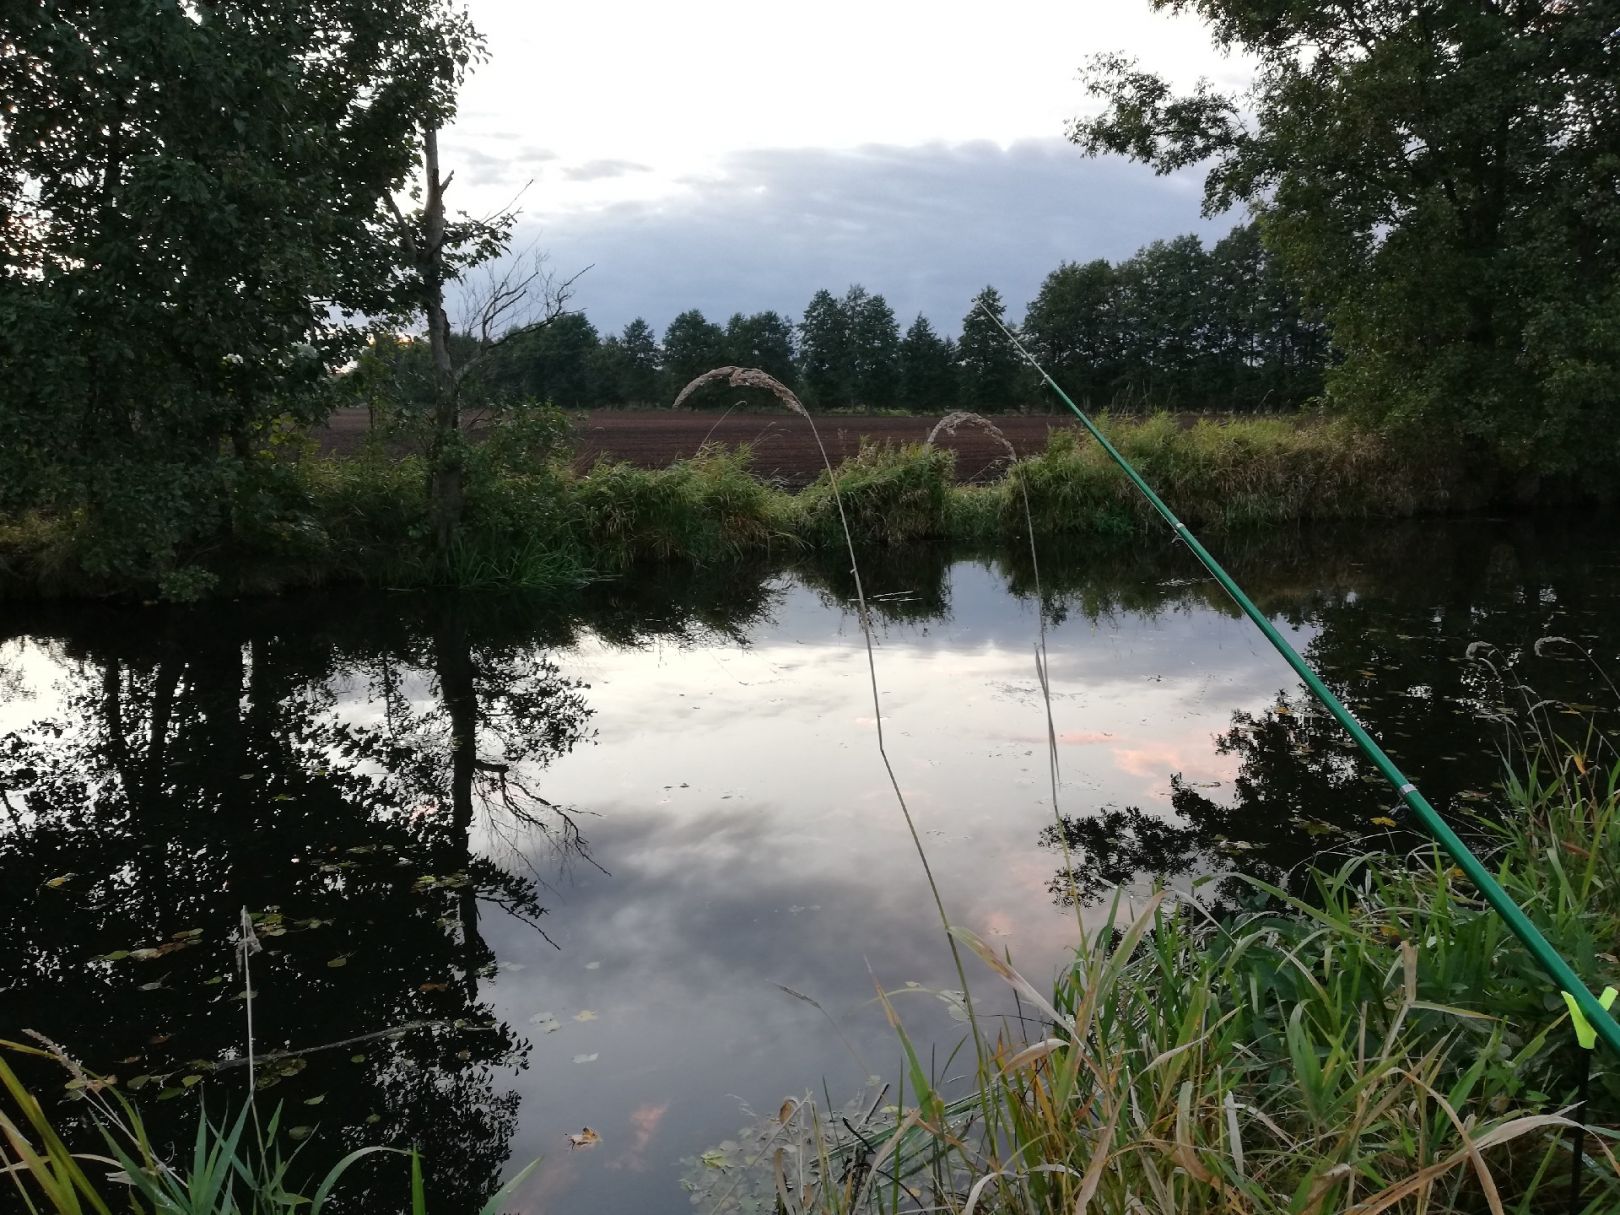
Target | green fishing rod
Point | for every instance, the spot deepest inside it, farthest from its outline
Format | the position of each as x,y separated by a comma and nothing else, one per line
1596,1015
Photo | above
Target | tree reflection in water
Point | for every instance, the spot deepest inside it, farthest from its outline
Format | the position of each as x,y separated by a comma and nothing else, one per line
205,768
1390,632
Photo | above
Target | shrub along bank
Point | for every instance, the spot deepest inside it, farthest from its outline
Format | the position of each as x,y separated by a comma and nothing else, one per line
533,521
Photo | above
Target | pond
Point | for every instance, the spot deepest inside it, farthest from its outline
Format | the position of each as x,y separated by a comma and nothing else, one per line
637,866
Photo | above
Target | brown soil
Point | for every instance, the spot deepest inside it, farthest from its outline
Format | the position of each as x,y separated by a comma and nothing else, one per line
784,449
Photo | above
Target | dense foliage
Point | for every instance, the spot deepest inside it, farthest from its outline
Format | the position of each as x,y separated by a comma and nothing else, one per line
1444,180
196,203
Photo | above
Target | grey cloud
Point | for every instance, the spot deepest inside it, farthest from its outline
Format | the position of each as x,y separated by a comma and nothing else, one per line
927,226
479,168
596,170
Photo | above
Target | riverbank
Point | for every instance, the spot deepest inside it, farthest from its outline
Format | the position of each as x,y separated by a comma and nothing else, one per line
533,520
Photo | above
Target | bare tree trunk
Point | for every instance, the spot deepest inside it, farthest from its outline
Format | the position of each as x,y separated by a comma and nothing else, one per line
447,488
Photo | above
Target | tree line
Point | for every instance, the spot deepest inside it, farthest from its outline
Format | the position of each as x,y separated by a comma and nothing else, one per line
1174,326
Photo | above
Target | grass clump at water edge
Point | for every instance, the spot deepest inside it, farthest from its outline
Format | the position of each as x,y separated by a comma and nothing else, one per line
534,521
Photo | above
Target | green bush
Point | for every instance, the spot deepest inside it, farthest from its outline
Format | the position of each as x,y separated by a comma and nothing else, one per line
704,509
1228,474
891,496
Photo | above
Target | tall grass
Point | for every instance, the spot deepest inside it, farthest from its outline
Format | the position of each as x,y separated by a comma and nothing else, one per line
235,1167
700,510
1384,1044
891,496
1228,474
533,521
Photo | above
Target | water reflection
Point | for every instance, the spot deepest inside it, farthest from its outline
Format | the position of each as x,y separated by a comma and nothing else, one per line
1390,630
580,855
192,771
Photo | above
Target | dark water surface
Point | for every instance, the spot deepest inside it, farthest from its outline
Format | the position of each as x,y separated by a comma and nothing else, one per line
578,858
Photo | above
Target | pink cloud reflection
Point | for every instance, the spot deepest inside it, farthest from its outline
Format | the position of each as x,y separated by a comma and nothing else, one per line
644,1123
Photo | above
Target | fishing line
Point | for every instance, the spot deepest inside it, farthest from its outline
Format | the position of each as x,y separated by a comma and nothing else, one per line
1579,996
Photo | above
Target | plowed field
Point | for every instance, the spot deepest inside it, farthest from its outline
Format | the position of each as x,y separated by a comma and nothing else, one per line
784,449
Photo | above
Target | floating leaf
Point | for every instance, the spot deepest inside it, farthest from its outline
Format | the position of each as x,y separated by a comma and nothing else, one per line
373,1119
300,1132
117,955
137,1083
585,1014
590,1058
188,1081
357,1058
584,1138
315,1100
169,1094
56,883
341,960
433,987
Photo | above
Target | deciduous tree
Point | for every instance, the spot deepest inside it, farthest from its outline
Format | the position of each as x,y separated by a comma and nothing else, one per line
194,216
1442,179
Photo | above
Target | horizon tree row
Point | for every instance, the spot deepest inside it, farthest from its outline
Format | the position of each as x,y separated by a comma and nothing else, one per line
1174,326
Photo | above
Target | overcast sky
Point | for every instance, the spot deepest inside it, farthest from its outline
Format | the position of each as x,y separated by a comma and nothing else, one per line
733,156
